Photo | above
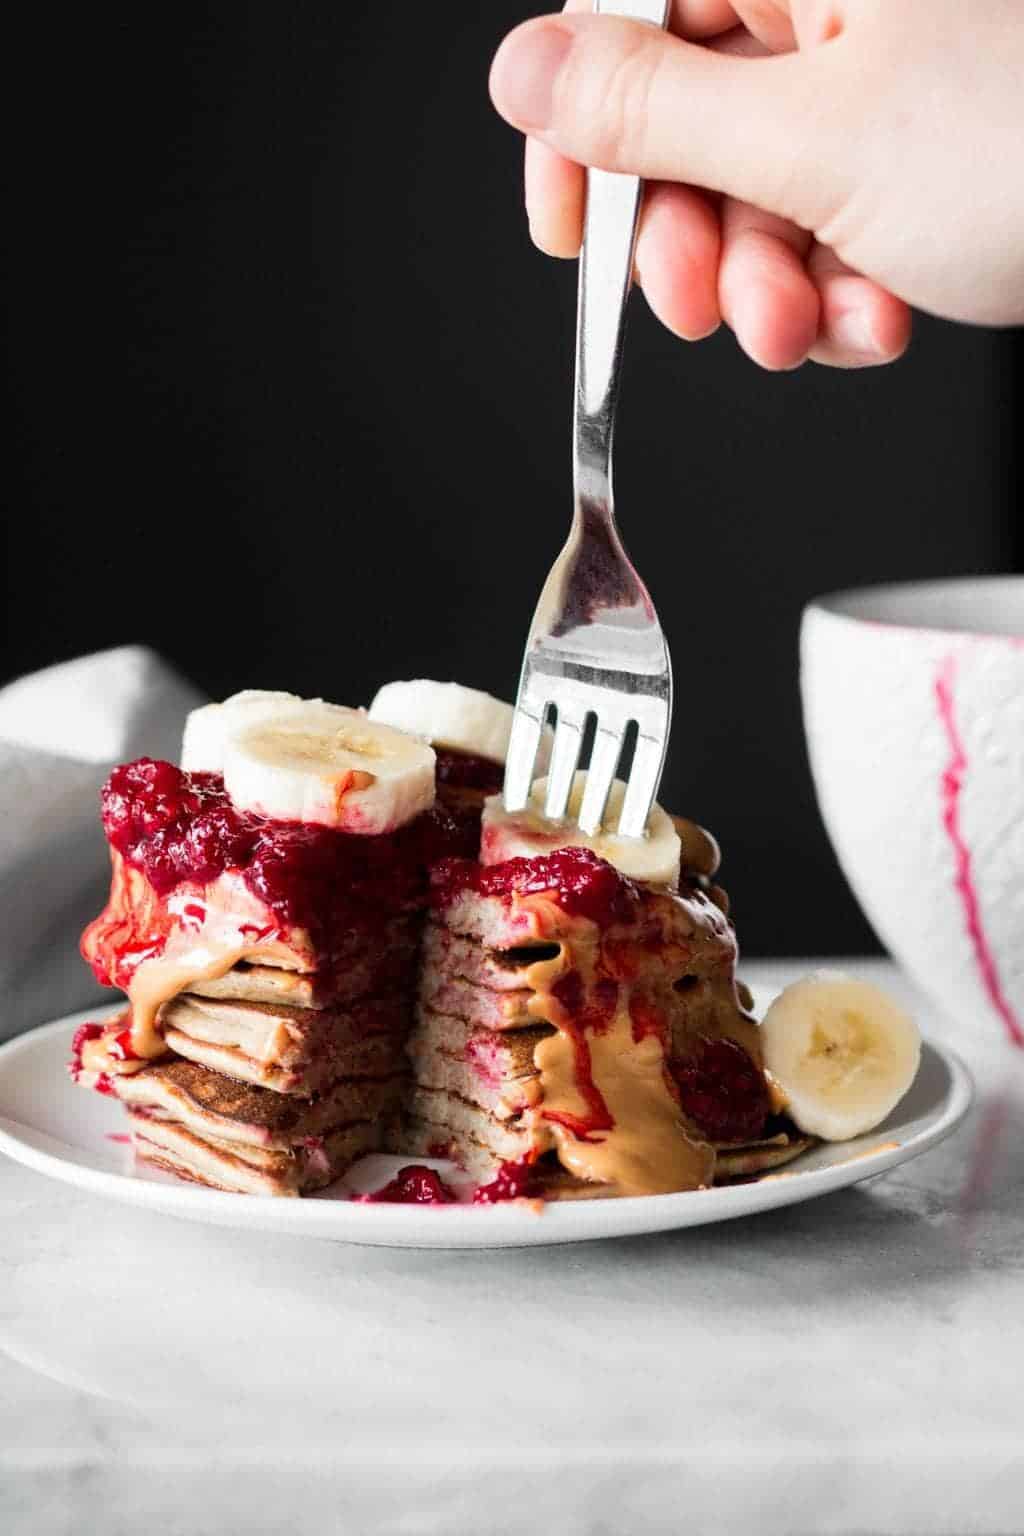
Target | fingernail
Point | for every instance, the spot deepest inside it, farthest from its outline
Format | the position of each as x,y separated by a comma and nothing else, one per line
525,71
853,329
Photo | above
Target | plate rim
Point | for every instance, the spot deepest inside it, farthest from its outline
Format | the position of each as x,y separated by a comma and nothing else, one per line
507,1225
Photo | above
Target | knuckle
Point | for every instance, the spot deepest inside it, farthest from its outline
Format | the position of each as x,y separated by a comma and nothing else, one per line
619,107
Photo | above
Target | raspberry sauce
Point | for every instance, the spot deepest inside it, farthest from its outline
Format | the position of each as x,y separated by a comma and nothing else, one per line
513,1181
583,884
181,828
121,1046
463,770
415,1185
83,1033
578,1011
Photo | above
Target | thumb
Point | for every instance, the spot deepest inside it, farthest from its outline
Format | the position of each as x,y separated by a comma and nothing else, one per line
628,97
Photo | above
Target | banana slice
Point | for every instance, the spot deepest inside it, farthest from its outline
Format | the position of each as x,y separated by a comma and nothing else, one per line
842,1052
207,729
332,766
652,859
447,715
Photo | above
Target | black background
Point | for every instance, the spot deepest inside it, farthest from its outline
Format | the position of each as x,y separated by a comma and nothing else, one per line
290,391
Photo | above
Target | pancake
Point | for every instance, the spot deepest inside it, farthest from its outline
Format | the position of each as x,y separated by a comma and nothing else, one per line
418,1138
451,954
368,1058
209,1104
492,1069
473,1132
225,1165
491,1008
358,972
757,1157
290,1050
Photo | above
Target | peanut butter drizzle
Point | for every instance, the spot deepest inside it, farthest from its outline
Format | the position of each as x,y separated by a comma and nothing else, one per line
646,1148
647,1151
205,956
158,980
211,930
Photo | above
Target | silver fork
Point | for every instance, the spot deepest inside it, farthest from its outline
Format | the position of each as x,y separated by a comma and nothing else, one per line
595,646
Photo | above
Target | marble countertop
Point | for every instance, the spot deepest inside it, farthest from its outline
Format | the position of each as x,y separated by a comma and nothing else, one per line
850,1365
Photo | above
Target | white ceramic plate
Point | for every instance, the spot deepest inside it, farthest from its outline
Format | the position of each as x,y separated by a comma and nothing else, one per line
78,1137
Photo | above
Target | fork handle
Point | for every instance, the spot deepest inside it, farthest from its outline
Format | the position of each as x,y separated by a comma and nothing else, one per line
606,272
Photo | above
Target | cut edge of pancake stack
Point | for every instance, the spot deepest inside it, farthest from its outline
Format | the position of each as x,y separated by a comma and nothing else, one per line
485,1006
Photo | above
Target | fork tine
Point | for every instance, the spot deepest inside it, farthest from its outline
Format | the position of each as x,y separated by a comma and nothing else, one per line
522,755
603,762
644,777
565,754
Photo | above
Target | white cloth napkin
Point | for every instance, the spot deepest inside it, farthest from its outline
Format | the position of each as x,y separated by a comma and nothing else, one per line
61,732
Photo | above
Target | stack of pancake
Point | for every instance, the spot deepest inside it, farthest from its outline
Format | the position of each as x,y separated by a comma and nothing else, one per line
291,1013
277,1080
490,971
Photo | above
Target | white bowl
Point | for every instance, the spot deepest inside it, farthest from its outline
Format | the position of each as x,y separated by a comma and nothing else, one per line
913,703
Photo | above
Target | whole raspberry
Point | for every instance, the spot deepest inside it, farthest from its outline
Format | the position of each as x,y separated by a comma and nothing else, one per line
722,1091
217,839
143,798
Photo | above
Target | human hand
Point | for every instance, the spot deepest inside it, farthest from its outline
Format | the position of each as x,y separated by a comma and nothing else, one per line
807,198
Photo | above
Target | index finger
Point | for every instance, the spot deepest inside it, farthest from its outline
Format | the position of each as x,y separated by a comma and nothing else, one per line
692,19
555,186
